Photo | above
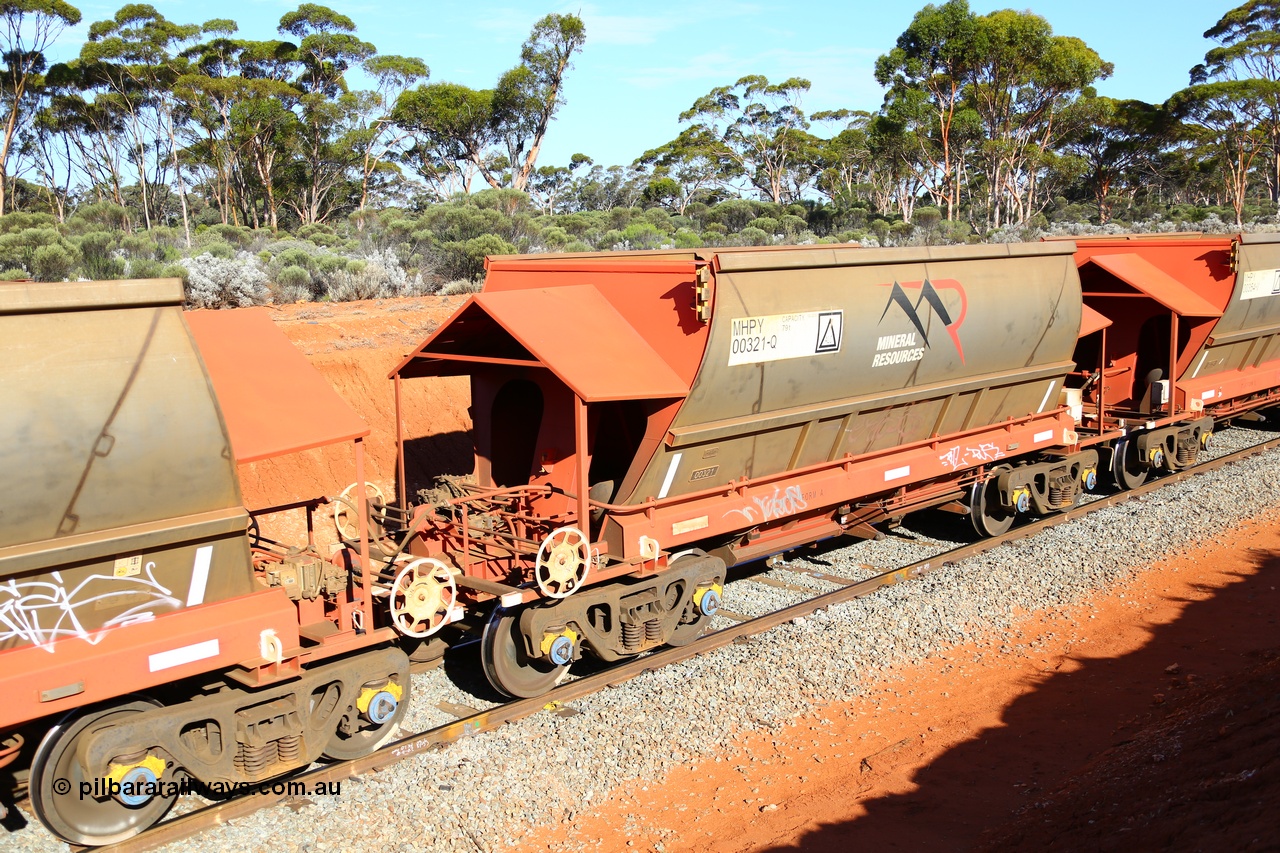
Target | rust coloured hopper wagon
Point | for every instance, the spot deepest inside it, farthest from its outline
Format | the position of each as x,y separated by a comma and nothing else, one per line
128,567
642,421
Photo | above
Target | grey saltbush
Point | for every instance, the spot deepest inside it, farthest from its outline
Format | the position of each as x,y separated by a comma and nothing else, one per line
214,282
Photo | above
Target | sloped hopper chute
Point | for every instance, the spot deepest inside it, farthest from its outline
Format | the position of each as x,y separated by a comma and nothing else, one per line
572,331
1146,277
273,401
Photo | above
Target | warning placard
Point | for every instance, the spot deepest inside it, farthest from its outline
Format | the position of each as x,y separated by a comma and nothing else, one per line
774,337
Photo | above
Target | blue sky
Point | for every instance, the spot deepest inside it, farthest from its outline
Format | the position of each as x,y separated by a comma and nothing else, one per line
644,63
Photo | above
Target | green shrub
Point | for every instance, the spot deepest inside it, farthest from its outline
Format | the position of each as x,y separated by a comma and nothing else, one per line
145,268
219,249
294,277
767,224
235,235
140,246
660,219
793,225
14,275
640,235
99,216
53,263
901,231
12,223
687,238
459,260
294,257
18,248
326,263
752,236
318,233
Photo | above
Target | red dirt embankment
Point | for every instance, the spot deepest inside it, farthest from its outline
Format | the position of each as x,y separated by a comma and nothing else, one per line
355,345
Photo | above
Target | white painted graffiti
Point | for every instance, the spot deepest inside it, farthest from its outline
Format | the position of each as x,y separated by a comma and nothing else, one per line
777,505
958,457
41,612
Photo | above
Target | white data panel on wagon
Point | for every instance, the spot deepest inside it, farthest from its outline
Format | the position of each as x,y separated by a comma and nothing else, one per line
774,337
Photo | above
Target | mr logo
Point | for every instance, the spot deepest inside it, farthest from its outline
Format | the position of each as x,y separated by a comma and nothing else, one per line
929,295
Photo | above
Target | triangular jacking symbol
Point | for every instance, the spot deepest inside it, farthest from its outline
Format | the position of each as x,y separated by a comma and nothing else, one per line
827,340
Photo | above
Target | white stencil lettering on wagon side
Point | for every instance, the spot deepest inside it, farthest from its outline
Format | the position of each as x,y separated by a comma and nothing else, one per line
775,337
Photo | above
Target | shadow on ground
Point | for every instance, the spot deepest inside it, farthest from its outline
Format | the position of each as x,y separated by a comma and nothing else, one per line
1067,722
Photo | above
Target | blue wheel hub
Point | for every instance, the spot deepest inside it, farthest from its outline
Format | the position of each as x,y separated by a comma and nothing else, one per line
561,651
137,786
382,707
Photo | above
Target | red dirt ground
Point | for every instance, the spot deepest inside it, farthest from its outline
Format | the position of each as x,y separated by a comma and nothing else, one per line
1147,719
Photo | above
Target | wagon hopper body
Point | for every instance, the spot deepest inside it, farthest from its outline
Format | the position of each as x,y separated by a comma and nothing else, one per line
644,420
1187,332
127,567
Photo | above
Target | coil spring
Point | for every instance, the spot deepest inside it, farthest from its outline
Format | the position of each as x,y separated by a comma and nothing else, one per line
253,760
653,631
1187,452
290,748
632,635
1062,493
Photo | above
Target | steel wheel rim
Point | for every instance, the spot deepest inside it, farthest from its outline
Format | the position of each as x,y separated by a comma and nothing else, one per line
1126,477
985,520
87,821
364,741
509,669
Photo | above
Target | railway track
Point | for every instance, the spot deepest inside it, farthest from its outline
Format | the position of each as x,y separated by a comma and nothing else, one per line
407,746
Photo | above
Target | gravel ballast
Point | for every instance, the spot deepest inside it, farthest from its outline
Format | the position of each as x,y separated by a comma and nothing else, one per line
484,792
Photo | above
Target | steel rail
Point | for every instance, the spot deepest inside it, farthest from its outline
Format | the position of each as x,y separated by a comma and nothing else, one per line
408,746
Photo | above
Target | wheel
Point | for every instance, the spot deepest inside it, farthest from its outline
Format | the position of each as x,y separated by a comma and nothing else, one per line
359,733
85,820
1127,469
985,513
422,597
687,632
506,663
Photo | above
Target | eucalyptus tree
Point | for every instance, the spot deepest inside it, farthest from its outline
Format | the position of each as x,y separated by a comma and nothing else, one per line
375,135
496,133
326,49
1024,79
1118,144
550,185
687,169
133,60
27,29
760,127
1229,118
92,132
528,96
845,158
926,74
1249,54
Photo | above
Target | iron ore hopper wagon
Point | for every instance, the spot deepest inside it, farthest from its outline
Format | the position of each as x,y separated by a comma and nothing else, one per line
642,422
150,638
